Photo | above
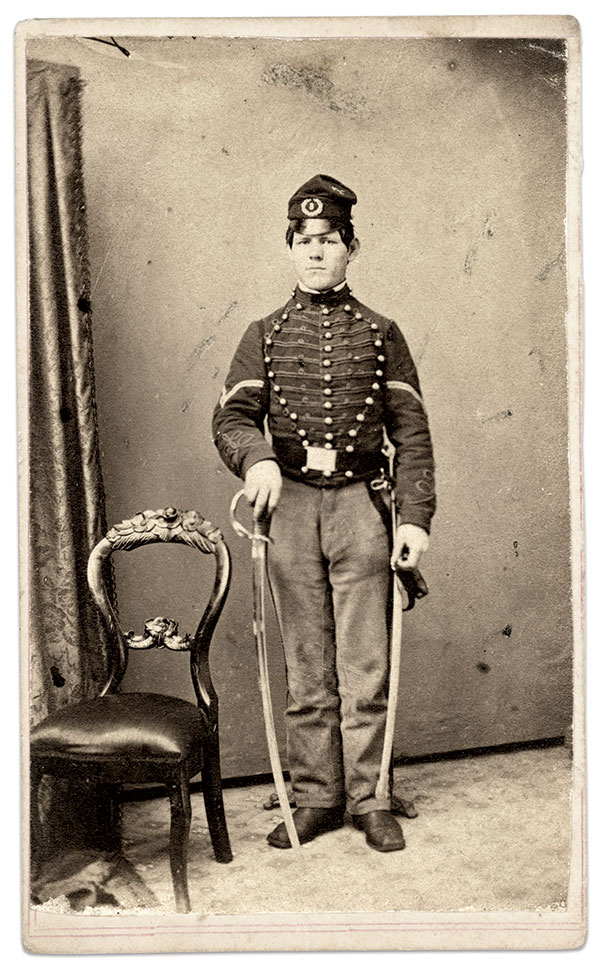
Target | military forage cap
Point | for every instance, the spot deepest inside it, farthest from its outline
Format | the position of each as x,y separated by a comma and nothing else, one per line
321,197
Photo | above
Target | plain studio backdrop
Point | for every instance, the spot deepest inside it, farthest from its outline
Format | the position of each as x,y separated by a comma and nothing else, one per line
457,152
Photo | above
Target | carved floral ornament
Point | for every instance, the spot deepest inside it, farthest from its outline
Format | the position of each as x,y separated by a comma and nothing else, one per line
165,524
160,633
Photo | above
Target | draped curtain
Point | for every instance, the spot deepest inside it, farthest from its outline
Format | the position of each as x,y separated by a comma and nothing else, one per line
67,643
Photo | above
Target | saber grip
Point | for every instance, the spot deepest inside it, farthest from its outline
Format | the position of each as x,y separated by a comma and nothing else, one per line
262,526
414,584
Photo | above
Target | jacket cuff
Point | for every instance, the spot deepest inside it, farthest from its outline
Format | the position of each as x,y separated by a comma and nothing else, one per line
416,516
262,452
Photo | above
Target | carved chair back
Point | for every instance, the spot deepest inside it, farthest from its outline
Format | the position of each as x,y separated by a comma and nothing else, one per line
167,525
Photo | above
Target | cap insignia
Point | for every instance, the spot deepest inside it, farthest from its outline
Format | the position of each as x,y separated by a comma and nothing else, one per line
312,207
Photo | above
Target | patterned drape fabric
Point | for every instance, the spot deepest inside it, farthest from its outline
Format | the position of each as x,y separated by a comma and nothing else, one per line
67,644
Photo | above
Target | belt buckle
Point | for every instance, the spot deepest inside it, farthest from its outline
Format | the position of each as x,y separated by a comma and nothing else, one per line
320,459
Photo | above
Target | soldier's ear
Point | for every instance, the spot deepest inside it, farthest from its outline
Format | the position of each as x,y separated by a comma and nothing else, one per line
353,249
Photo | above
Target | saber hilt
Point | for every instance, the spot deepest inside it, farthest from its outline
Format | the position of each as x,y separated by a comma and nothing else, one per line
411,579
261,525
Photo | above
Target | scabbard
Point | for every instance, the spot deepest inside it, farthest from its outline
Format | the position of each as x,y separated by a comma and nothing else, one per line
382,791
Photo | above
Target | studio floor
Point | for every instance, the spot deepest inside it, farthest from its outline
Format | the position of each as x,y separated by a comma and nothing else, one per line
492,834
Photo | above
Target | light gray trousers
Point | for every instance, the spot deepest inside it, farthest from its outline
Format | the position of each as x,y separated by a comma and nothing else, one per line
330,578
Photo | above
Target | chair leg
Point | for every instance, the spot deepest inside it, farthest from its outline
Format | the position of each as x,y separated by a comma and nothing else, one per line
181,816
213,804
36,833
109,815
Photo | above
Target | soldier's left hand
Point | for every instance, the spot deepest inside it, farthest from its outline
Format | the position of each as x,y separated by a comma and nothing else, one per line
411,542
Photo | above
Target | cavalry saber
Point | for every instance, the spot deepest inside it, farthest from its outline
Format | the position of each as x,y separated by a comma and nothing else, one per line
260,539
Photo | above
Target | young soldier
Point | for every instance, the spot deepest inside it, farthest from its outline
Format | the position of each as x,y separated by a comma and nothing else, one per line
329,376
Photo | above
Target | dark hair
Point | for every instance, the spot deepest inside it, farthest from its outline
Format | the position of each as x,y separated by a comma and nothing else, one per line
342,225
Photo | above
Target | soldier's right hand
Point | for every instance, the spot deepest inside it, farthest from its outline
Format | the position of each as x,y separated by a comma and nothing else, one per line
262,487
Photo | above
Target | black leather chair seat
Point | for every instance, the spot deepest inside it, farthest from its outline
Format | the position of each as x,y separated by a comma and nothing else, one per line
144,725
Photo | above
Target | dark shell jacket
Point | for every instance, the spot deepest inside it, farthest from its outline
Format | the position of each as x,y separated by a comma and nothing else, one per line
327,372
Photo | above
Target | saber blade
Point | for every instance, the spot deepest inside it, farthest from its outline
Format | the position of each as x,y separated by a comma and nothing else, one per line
259,564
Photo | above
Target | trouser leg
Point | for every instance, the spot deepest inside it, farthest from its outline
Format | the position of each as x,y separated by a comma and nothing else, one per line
302,597
356,542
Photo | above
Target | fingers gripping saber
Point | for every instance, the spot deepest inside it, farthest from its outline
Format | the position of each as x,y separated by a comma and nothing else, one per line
415,587
260,539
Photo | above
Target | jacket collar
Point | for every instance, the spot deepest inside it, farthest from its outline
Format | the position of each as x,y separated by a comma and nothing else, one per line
330,297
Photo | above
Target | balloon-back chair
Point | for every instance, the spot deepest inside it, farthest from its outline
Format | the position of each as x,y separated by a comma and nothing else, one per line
146,737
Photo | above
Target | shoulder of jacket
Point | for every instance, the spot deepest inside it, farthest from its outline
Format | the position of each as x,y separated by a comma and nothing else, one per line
258,327
384,321
273,317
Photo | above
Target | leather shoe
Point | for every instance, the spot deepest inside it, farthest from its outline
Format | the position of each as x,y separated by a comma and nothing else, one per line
309,823
383,832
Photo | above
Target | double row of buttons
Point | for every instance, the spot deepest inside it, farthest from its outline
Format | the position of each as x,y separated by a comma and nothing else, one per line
327,379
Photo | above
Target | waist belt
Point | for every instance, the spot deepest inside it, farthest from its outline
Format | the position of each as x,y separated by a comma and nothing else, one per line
348,468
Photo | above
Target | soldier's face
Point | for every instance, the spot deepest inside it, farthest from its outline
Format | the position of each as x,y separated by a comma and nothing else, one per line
319,255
